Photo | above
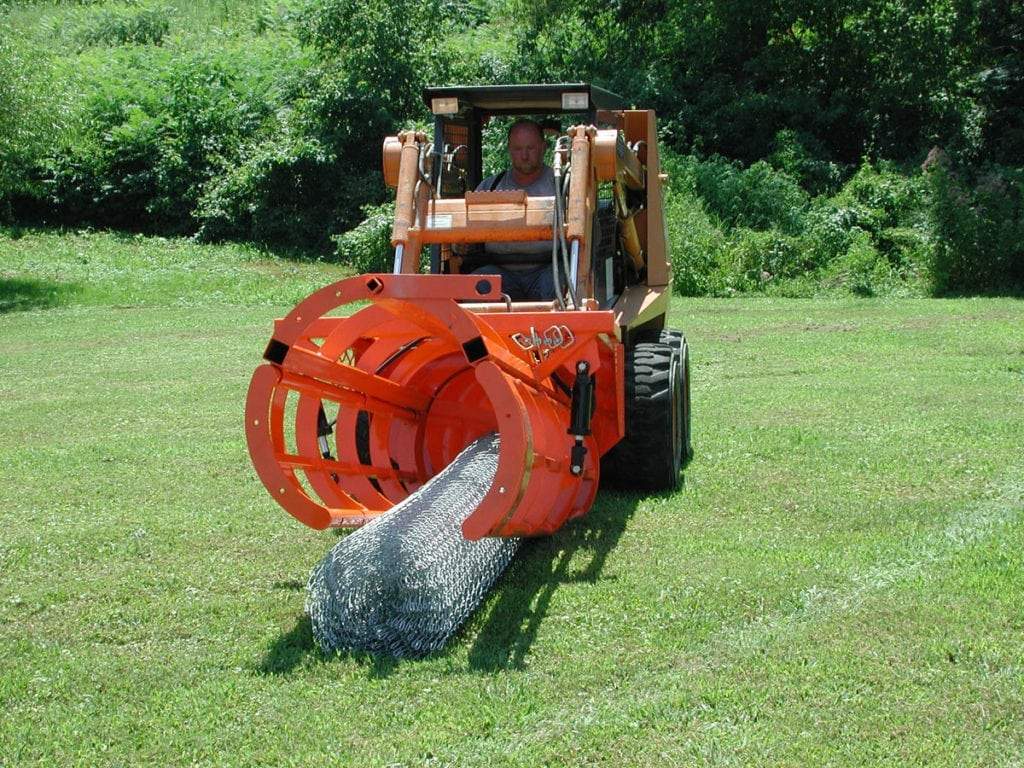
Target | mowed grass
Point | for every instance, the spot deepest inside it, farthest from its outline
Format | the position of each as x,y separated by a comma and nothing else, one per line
839,582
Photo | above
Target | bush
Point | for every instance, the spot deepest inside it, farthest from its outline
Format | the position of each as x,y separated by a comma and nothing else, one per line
759,197
119,25
877,207
32,112
373,60
756,258
369,62
157,125
828,230
979,230
367,247
880,197
790,154
908,249
280,191
861,269
871,237
260,139
695,245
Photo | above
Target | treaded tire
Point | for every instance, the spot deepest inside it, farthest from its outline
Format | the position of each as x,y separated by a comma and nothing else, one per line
677,341
650,456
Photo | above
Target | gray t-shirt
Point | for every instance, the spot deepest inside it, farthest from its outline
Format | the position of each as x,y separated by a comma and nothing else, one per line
544,186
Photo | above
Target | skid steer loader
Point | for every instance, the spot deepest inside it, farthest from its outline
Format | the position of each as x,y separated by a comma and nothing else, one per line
451,418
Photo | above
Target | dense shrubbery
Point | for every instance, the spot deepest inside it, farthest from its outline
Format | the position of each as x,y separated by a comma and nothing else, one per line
133,114
156,124
367,247
878,75
730,232
790,153
811,90
116,25
882,231
282,190
979,226
758,197
29,115
270,136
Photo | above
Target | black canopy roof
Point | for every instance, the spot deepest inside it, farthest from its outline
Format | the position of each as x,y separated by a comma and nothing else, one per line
526,99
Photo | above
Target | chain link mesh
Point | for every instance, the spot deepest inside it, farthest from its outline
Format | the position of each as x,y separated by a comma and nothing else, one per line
404,583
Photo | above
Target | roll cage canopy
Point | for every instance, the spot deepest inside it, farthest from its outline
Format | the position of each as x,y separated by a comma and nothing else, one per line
459,100
460,111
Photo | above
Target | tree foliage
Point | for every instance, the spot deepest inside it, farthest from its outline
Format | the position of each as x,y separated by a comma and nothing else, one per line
793,120
881,77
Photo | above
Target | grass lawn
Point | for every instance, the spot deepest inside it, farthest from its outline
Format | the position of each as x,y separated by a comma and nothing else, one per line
839,582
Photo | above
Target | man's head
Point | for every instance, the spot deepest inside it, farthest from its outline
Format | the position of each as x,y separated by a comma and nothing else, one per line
526,149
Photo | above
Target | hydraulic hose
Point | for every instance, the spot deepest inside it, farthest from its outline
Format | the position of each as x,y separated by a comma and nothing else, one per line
563,246
559,248
556,227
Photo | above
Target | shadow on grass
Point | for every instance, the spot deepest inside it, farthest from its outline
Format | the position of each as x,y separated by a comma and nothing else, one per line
521,598
289,650
1008,288
575,554
20,294
297,645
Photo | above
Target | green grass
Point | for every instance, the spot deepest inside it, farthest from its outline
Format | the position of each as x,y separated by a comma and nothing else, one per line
48,268
840,581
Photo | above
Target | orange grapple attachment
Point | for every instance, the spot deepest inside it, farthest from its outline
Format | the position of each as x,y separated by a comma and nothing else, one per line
415,377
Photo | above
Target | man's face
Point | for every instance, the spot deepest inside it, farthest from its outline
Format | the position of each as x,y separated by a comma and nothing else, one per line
526,150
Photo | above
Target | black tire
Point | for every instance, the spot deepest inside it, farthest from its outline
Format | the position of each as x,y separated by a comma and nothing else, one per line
687,411
677,341
650,456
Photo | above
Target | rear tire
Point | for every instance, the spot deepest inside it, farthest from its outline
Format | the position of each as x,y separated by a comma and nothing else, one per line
677,341
650,456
